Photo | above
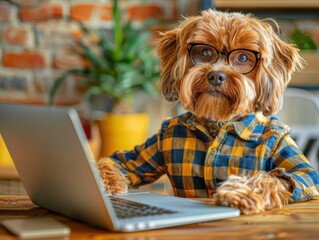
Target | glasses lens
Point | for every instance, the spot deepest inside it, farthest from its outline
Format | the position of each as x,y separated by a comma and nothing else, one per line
201,54
242,61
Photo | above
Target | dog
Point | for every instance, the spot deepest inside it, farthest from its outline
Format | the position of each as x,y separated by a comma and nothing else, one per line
229,72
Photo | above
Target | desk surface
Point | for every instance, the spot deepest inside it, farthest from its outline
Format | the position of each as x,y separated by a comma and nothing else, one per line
295,221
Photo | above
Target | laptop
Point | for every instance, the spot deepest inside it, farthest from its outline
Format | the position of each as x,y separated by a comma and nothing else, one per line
54,161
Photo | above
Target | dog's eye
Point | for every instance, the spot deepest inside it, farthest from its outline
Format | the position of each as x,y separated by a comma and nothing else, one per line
206,53
201,54
242,58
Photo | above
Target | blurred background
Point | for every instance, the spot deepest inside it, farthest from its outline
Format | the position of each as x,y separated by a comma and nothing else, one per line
48,41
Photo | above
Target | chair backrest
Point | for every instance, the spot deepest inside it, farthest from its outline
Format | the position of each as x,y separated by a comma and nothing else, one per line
300,107
301,112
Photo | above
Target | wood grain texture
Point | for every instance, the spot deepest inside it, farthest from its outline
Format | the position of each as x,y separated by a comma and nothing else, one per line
295,221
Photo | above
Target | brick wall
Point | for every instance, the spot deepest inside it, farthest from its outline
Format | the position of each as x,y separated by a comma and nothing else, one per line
35,36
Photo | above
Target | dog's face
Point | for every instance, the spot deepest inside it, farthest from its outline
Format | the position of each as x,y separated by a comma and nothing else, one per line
220,65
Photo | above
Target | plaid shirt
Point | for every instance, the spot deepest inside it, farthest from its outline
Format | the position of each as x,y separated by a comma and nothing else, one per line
196,163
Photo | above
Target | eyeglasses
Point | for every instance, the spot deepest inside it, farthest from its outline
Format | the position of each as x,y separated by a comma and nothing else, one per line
240,60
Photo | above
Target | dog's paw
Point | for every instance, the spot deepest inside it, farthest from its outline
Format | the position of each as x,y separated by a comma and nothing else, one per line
113,180
236,194
253,195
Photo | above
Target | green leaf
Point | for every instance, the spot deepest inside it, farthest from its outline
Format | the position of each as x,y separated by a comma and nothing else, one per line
303,40
135,44
59,81
118,31
107,48
93,57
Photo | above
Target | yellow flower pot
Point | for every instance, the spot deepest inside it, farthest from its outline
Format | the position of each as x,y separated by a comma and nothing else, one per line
122,131
5,158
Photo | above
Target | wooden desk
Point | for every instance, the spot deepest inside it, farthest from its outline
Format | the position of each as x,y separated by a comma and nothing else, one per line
295,221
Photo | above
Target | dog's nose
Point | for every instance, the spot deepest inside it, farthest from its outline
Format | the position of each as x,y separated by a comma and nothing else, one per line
217,77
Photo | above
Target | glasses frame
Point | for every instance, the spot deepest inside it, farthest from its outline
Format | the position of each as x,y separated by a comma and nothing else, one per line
226,54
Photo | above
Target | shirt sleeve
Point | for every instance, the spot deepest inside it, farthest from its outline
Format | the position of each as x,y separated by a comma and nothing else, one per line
142,165
294,166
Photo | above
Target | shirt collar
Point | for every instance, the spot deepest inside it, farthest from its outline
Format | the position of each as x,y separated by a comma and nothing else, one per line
249,128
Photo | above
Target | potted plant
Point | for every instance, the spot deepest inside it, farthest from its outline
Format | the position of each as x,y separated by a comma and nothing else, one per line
308,47
302,40
118,66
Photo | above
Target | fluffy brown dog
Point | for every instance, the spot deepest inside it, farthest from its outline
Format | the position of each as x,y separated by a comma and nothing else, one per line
229,71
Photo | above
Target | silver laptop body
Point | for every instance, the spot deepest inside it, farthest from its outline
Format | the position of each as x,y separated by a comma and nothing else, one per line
54,161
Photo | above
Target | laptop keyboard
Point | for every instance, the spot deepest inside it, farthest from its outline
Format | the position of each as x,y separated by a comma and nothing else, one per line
128,209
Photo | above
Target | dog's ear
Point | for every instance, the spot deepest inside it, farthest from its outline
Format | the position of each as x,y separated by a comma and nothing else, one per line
279,61
167,51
